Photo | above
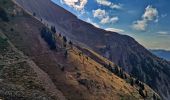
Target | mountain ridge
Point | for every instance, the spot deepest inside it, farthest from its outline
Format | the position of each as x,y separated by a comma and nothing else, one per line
121,49
75,75
165,54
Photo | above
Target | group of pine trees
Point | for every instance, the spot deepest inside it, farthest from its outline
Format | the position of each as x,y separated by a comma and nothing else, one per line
119,72
141,90
48,36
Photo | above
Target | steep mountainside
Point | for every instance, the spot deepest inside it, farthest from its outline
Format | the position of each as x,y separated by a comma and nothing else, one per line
37,64
162,54
121,49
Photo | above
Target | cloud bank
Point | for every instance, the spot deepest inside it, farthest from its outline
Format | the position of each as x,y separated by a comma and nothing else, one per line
115,30
150,14
109,4
103,16
163,33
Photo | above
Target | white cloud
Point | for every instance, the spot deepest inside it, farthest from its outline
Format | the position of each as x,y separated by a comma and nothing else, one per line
114,19
116,6
109,4
163,32
164,15
76,4
115,30
103,16
104,2
105,20
150,14
140,25
99,13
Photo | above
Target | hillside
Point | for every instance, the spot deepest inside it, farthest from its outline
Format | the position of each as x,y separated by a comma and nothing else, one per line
37,64
120,49
165,54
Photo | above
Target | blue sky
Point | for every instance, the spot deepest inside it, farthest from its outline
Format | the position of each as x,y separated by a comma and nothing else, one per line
147,21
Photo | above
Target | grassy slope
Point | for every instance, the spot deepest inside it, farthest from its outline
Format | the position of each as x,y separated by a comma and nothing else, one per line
88,80
17,79
18,74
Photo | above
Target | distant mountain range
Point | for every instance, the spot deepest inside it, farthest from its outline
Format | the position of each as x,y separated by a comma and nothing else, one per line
165,54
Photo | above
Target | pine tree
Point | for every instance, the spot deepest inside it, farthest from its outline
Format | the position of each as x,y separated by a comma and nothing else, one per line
66,54
131,82
71,44
64,39
121,74
137,81
142,86
53,29
116,70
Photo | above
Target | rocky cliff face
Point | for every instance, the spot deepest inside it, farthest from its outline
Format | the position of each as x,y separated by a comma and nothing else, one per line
121,49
